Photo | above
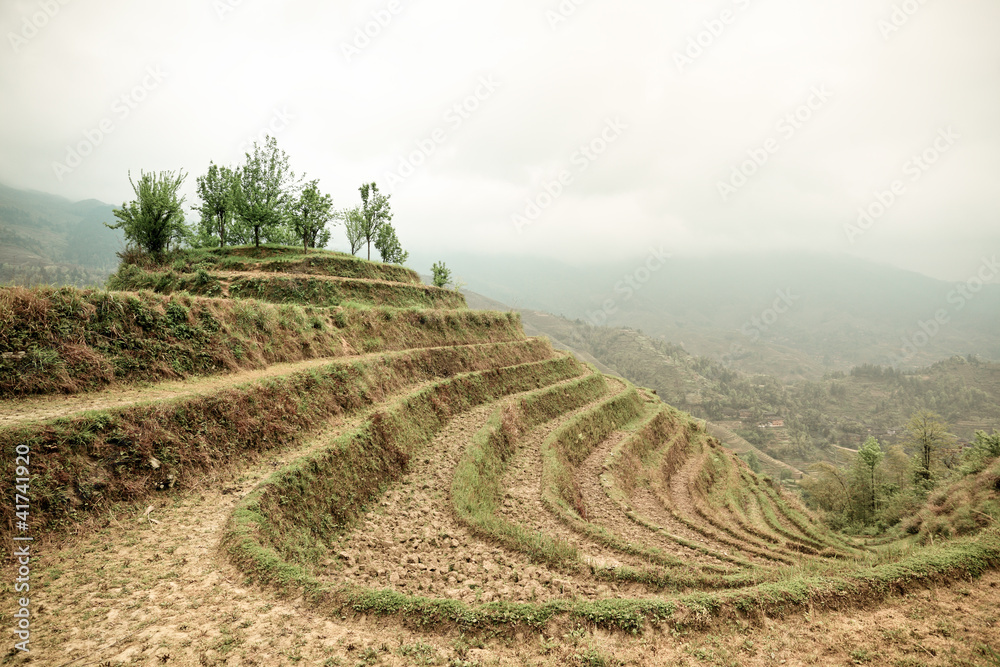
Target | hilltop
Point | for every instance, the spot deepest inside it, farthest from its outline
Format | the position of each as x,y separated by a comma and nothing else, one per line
259,456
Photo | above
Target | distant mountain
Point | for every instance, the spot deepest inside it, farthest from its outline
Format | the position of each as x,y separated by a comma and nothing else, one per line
791,316
46,239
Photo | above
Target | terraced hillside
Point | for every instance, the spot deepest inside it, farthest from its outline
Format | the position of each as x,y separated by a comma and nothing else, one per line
266,458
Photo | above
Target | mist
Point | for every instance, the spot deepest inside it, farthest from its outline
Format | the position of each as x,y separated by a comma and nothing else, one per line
578,131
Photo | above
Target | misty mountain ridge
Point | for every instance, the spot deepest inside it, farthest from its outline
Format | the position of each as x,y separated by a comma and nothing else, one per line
786,314
45,239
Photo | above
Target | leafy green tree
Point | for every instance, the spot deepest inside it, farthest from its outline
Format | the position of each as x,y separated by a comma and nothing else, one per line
388,245
989,444
927,433
354,225
310,214
216,189
375,212
266,190
984,449
155,218
441,274
753,462
871,456
898,467
827,488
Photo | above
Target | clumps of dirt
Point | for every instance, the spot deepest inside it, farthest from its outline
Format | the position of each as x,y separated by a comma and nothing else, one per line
411,542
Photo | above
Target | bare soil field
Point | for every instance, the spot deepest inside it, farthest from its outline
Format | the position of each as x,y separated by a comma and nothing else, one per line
490,503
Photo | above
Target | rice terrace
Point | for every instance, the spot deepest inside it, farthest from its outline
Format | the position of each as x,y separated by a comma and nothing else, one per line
263,457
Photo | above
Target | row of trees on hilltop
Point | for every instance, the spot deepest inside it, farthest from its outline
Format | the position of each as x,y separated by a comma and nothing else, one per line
261,199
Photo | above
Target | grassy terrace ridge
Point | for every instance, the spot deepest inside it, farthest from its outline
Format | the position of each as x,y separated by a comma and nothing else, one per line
91,462
565,449
68,340
325,291
717,483
631,463
291,515
282,259
570,445
280,530
476,489
563,452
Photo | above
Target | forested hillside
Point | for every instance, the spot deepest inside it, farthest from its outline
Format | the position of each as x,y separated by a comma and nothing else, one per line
839,410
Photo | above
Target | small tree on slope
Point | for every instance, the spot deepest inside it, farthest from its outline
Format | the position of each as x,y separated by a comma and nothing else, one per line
216,191
266,190
388,245
310,214
155,218
354,226
375,212
441,274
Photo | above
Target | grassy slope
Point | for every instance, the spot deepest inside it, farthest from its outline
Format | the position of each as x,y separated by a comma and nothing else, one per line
91,462
67,340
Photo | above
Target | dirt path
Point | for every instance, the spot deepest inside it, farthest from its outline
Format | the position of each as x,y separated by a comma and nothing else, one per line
678,490
604,511
678,484
523,503
136,591
16,412
413,543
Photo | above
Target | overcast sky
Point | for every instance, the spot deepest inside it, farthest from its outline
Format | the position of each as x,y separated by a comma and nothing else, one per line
731,126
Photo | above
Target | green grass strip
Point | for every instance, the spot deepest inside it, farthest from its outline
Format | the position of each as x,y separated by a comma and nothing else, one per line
476,489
